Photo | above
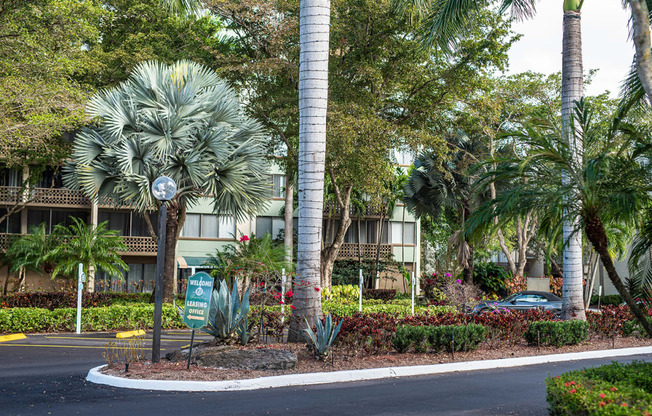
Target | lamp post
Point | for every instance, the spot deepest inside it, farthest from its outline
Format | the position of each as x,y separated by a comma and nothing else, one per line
163,189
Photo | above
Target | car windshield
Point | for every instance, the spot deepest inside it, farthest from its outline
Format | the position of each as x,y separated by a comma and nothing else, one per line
510,297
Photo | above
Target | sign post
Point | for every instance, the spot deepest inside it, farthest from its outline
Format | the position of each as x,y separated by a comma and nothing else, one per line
80,286
412,290
361,281
198,303
283,295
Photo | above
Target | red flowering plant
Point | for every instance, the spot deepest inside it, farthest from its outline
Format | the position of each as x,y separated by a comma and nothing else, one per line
431,286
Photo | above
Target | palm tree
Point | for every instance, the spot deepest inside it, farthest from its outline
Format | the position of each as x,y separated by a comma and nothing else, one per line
96,247
606,190
30,252
442,21
314,20
177,120
437,186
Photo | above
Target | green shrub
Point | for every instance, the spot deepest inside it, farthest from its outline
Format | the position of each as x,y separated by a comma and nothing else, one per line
401,307
490,278
109,318
634,328
613,389
348,294
438,338
611,300
557,333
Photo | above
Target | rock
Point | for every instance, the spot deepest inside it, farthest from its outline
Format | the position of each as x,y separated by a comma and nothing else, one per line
241,359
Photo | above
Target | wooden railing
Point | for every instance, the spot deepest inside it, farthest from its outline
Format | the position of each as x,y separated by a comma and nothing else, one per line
140,246
369,211
43,196
368,251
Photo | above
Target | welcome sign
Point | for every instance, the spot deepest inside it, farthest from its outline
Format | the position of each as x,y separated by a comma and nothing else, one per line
198,300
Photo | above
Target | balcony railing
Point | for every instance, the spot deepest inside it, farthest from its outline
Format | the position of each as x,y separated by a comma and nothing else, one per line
369,211
140,246
43,196
367,251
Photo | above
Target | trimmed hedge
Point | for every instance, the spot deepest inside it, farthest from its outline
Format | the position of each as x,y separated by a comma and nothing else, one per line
56,300
557,333
110,318
402,309
613,389
438,338
382,294
607,300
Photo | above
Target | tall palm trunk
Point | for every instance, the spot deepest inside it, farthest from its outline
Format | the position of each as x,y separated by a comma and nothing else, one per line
314,21
288,239
171,225
571,91
598,237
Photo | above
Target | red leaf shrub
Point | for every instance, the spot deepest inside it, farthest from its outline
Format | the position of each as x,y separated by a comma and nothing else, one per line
382,294
57,300
609,321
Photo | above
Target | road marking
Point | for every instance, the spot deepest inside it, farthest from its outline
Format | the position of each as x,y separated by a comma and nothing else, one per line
57,346
130,334
12,337
111,339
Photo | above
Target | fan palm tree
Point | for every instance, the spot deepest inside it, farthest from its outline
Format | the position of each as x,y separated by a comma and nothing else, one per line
607,189
178,120
437,186
442,21
96,247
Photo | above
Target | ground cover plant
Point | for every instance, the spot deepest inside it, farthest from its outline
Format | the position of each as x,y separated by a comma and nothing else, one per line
613,389
557,333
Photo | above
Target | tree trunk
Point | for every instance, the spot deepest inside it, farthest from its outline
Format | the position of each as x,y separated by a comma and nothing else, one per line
641,38
467,273
598,237
314,21
329,254
288,211
571,91
6,285
170,262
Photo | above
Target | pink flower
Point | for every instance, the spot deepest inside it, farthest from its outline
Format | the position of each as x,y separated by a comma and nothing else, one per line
316,289
244,238
613,389
602,395
289,293
293,307
572,391
448,275
458,281
602,404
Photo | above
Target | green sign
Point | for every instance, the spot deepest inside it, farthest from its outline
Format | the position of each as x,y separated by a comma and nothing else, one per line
198,300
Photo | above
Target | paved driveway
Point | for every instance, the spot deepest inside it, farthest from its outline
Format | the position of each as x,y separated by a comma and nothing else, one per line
44,375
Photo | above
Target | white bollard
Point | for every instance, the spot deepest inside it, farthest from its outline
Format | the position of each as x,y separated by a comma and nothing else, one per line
282,295
412,288
360,294
80,286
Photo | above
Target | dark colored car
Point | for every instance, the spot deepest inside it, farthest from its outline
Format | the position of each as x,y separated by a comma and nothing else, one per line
523,301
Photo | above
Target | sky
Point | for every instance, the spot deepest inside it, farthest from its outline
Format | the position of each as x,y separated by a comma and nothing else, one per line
605,43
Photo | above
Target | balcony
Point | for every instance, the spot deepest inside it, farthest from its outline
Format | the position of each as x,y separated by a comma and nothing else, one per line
44,197
368,251
331,208
138,246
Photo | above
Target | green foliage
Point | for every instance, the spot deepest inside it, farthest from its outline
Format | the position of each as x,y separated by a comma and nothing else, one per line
438,338
557,333
250,259
32,251
109,318
342,294
613,389
227,313
96,247
347,272
321,339
612,300
402,308
491,278
631,328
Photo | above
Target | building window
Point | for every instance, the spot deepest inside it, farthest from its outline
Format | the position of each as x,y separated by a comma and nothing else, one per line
400,236
10,225
278,186
10,177
208,226
271,225
50,218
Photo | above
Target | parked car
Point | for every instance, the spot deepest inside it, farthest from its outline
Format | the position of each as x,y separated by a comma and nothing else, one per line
522,301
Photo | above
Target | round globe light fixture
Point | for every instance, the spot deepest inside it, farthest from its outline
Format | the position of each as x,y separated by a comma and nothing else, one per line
164,188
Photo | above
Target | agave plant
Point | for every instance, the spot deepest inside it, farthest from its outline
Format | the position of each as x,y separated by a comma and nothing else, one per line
322,338
227,312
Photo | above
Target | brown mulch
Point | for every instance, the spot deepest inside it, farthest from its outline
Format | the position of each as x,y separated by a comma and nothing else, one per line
343,360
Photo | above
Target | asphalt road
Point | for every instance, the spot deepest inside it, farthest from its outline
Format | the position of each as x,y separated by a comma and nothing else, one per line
44,375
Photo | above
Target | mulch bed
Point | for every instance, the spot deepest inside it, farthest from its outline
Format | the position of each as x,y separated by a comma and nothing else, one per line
344,360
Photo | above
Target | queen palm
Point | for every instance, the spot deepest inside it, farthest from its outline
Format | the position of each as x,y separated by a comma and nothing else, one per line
30,252
95,247
442,22
606,190
178,120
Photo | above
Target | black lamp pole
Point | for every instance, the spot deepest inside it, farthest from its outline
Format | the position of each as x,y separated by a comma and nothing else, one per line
158,288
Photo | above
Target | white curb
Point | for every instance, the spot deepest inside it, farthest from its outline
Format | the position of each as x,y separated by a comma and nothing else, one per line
95,376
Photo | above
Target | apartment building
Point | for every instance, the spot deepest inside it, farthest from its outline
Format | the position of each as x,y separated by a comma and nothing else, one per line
204,232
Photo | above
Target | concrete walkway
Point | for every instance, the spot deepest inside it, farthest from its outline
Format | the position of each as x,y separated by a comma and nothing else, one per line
95,376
